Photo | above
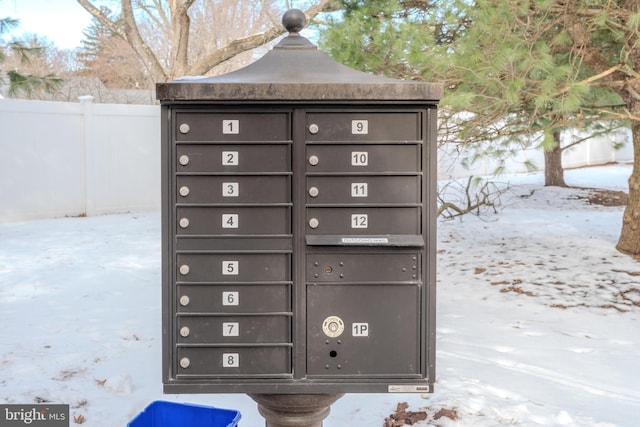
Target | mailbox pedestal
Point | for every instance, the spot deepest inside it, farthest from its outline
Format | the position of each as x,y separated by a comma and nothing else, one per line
298,230
294,410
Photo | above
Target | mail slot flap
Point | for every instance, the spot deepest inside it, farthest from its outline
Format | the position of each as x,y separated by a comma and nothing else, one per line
233,267
233,189
234,329
363,267
364,158
233,158
260,220
363,221
363,126
240,298
387,240
234,360
363,189
363,330
207,126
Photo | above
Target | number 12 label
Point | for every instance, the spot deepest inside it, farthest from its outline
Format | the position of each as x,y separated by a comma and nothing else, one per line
359,221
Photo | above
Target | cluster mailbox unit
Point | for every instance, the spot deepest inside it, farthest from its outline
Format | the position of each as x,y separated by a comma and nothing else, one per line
298,229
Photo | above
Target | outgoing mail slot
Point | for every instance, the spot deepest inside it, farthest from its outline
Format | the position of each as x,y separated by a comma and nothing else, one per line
272,220
241,298
233,329
233,267
204,126
380,336
233,189
363,158
363,189
363,126
363,221
232,158
237,361
363,267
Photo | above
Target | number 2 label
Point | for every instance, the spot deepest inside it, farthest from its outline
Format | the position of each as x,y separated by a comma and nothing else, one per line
229,158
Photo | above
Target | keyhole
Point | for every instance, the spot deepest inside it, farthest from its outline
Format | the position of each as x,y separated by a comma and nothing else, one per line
333,353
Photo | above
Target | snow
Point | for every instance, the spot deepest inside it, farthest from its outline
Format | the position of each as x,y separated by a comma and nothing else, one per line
538,316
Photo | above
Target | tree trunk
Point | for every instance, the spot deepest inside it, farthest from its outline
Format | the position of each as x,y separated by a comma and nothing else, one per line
553,171
629,241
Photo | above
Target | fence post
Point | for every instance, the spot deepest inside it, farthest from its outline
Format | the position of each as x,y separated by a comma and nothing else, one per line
87,137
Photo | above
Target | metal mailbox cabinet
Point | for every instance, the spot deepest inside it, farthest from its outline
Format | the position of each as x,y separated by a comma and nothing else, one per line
298,232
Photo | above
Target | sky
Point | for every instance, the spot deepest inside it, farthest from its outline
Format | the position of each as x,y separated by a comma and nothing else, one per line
61,21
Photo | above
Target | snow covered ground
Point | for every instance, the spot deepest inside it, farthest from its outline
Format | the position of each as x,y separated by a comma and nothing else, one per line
538,317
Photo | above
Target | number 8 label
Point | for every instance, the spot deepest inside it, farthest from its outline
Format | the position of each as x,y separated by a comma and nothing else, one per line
230,360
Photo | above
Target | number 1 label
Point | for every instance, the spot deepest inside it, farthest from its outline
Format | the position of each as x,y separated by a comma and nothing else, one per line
231,127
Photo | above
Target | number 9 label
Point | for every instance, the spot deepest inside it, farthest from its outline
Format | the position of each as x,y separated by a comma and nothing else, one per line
359,127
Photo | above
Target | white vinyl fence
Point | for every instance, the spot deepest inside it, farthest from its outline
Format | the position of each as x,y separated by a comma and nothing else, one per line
62,158
70,159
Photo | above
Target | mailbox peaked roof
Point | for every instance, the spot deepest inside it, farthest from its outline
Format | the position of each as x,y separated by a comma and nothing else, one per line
296,70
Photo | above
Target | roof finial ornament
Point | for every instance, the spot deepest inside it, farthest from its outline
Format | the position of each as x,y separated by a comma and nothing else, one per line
294,20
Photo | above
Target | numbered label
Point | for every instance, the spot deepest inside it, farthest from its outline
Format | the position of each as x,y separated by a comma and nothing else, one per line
360,329
359,127
230,268
230,158
230,329
230,220
359,189
359,221
359,158
230,189
231,127
231,298
230,360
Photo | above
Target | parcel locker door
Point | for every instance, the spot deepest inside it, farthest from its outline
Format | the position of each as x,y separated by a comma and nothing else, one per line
364,330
